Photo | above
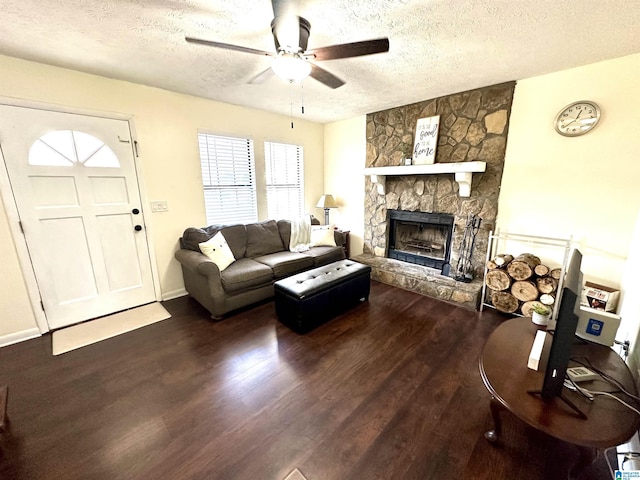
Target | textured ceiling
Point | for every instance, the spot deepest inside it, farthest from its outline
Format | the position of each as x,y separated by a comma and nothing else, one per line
437,46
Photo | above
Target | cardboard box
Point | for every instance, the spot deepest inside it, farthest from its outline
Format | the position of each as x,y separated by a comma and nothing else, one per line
600,297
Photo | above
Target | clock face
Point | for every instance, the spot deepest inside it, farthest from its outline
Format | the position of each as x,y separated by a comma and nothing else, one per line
577,118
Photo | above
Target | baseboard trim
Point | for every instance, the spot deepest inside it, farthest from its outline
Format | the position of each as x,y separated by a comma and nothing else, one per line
17,337
181,292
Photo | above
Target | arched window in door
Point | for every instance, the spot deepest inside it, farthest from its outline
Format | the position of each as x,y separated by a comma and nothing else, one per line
64,148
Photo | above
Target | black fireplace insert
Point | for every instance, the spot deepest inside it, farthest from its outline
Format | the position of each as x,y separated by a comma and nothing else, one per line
421,238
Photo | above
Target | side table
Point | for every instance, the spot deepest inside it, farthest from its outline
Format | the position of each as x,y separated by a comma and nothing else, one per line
503,367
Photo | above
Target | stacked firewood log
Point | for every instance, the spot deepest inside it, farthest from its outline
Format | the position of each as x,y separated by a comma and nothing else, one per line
516,285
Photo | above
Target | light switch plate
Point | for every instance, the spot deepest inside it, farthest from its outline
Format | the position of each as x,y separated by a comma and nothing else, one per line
159,206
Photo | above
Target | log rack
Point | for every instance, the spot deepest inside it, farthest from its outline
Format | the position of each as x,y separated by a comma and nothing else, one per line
498,241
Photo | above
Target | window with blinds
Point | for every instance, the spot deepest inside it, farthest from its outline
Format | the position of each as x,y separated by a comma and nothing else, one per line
228,179
284,169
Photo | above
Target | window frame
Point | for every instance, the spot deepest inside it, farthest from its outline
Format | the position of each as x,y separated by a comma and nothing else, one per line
230,161
277,179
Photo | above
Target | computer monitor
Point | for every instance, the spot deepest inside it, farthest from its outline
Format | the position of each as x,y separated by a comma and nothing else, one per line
563,337
560,351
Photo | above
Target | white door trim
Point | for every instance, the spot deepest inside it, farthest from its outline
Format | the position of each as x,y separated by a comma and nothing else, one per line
13,217
21,248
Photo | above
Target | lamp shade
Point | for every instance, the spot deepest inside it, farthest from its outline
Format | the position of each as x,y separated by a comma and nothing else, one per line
327,201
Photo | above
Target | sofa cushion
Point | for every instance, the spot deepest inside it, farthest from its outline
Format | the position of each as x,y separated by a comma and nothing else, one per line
286,263
235,235
284,227
193,237
244,274
324,255
323,236
263,238
217,249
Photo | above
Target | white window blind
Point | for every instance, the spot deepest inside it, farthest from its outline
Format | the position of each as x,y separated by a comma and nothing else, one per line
285,193
228,179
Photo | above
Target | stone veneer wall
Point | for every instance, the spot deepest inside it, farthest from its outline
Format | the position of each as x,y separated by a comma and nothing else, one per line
473,126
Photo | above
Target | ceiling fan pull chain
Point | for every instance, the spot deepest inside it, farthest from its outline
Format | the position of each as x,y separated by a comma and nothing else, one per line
302,96
291,108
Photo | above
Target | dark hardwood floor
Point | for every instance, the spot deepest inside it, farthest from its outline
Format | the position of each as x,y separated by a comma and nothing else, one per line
389,390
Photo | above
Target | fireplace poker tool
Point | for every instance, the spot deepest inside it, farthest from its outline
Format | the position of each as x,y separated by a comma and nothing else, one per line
464,267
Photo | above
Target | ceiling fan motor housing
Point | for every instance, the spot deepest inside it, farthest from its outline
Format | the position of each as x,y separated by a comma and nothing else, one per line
305,28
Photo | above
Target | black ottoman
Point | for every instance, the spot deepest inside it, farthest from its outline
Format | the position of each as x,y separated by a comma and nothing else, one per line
308,299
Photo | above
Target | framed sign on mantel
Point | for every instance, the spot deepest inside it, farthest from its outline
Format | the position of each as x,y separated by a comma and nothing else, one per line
426,140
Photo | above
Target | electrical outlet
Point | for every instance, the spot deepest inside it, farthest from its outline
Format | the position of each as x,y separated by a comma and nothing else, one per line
159,206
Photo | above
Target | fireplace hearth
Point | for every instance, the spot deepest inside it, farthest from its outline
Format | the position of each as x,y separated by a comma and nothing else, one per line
421,238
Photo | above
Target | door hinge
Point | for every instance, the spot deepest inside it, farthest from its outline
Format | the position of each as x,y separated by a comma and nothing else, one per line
42,305
21,227
135,148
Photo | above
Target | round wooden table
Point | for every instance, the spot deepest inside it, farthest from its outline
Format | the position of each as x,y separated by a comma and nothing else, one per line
503,366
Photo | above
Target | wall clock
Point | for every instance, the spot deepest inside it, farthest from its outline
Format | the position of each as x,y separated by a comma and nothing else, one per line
577,118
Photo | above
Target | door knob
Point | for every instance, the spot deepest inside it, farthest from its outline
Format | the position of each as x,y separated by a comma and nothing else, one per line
137,228
135,211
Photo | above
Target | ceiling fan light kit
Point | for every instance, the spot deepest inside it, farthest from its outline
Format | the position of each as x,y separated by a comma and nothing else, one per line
290,67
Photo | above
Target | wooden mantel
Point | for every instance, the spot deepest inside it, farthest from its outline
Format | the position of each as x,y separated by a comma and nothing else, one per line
462,171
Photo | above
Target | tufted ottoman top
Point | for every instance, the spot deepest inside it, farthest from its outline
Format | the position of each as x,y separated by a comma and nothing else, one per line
314,281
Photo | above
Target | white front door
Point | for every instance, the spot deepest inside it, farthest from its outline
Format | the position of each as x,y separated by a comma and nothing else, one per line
75,186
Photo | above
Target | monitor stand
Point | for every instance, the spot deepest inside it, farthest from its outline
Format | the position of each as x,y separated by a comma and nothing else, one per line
573,406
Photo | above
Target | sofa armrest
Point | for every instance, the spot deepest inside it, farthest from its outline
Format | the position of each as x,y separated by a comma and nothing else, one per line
202,280
198,263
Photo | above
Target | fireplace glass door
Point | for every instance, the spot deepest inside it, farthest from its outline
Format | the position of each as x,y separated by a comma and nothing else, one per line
420,237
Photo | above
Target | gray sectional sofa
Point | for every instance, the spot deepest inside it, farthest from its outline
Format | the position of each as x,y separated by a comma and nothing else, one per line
262,256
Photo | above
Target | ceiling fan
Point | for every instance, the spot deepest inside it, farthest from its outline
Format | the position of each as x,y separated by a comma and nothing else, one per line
291,59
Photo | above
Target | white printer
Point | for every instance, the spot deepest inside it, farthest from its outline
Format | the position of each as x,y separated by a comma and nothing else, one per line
597,326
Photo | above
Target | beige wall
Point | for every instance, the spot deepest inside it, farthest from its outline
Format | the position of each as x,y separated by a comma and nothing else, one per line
344,160
630,310
587,186
166,124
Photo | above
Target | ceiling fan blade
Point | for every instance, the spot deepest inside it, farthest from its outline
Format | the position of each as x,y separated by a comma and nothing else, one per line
228,46
323,76
348,50
261,77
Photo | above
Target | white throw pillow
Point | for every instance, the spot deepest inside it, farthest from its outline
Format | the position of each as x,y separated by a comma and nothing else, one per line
218,251
322,235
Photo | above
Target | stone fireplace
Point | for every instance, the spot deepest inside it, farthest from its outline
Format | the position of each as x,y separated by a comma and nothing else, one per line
421,238
473,130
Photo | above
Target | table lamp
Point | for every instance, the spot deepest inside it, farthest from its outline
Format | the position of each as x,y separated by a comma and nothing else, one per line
326,201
